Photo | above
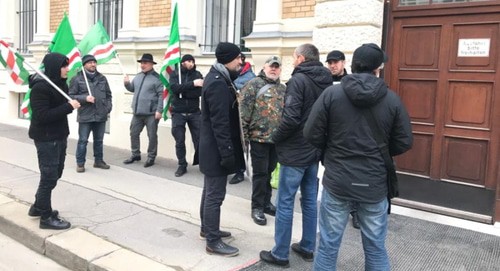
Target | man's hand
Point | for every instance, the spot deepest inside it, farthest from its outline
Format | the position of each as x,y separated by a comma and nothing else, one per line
158,115
75,104
126,80
90,99
198,82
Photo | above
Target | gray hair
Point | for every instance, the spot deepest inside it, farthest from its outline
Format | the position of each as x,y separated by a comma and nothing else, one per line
308,51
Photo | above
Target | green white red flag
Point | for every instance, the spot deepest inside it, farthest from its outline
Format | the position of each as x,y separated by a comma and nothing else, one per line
97,43
64,43
172,58
13,63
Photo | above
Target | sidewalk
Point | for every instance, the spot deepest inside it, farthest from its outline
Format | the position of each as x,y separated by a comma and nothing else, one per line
136,218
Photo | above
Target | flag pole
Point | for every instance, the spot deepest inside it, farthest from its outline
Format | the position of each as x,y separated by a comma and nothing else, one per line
45,77
86,80
120,64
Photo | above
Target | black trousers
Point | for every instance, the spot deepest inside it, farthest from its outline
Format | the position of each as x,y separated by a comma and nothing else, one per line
214,192
264,160
179,121
51,156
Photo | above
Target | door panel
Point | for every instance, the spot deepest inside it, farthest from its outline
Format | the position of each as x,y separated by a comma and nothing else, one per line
444,68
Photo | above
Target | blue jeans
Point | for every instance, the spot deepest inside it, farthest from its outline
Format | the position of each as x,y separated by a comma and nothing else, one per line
84,129
333,217
291,179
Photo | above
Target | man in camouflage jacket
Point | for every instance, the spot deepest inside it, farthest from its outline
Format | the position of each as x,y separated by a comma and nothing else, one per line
260,108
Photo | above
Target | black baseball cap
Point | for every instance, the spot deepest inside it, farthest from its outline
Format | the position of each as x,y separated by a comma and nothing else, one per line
335,55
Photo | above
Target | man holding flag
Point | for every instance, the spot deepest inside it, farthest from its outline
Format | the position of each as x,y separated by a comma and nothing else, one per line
92,91
49,129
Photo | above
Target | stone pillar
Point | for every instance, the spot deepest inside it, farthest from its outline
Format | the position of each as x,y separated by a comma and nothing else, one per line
131,19
80,17
42,21
10,21
337,30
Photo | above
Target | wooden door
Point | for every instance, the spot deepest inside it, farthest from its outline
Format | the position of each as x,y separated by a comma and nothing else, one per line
445,67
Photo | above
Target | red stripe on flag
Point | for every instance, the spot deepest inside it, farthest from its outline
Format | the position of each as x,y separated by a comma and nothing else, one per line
105,50
73,57
169,53
4,43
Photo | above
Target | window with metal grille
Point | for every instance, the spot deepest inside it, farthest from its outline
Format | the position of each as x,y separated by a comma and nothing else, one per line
27,24
110,13
228,20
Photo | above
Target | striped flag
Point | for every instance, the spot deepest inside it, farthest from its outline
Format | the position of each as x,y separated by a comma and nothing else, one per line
64,43
13,62
172,58
97,43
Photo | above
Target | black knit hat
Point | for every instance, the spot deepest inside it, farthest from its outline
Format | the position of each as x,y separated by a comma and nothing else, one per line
187,57
87,58
226,52
367,58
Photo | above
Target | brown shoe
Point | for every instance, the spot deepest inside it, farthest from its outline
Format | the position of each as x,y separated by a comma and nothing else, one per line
101,164
80,168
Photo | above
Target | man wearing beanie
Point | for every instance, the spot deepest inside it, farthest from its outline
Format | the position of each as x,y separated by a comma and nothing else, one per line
221,151
336,64
345,122
185,109
298,159
49,130
96,104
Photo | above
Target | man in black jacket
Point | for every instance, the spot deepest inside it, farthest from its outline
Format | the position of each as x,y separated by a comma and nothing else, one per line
49,129
221,151
355,171
299,160
336,64
185,109
93,113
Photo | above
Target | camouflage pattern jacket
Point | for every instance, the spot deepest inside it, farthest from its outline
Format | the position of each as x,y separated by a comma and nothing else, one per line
260,116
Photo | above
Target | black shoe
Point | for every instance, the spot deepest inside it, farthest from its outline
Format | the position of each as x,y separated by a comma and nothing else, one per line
149,162
258,217
132,159
54,223
33,211
222,234
237,178
181,170
223,249
267,257
307,256
101,164
80,168
355,220
270,209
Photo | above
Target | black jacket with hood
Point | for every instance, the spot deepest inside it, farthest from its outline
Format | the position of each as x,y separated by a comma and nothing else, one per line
186,98
308,81
49,109
354,167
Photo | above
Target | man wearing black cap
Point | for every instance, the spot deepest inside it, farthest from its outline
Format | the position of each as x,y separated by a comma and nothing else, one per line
185,109
336,65
147,106
92,115
49,130
221,151
355,171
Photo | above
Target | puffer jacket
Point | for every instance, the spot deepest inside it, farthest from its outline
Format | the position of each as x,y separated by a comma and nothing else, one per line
49,108
308,81
148,93
354,167
91,112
